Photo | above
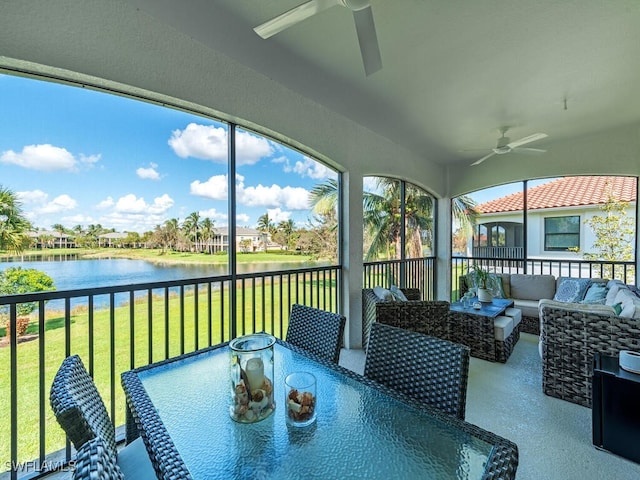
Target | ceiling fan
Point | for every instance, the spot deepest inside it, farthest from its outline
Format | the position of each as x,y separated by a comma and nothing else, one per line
504,145
362,16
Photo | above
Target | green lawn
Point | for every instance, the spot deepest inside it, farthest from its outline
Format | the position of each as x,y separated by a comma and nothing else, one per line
174,332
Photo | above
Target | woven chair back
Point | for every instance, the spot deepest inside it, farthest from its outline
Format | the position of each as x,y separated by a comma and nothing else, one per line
429,369
316,331
78,406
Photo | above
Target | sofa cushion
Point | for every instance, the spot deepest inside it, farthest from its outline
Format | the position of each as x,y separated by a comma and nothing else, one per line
592,308
596,293
515,314
506,284
614,288
502,327
398,295
532,287
529,308
571,289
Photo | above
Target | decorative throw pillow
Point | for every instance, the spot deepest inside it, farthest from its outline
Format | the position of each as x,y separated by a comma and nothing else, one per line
572,289
617,308
596,294
398,295
494,285
383,294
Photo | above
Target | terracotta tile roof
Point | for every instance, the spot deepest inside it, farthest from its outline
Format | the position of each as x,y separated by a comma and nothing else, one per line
565,192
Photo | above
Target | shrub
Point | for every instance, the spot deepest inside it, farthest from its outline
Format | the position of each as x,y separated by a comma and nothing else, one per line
16,280
22,323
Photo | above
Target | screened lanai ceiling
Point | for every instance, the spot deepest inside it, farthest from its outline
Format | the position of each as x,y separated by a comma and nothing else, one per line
453,71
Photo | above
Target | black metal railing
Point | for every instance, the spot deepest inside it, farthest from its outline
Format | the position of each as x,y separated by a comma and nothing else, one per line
119,328
625,271
410,273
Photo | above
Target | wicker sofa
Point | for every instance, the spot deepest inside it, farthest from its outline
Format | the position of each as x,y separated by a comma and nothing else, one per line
526,291
571,333
428,317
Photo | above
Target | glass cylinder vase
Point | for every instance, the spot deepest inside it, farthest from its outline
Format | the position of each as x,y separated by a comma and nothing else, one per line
252,377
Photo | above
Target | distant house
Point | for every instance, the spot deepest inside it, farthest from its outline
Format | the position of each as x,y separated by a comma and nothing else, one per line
112,239
247,240
51,239
556,214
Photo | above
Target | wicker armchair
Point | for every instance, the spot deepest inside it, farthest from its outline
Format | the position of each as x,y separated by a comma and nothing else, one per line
81,413
316,331
428,317
570,338
95,462
431,370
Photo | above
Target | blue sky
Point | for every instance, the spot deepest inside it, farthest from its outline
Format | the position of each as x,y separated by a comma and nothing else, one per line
79,157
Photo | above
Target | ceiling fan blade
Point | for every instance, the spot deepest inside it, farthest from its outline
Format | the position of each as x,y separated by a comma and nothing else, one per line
477,162
529,139
368,39
293,16
528,151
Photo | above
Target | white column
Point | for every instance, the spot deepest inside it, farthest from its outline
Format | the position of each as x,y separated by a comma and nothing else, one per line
443,250
352,257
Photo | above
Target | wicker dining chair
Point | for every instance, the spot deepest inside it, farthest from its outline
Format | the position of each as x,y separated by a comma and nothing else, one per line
80,411
317,331
429,369
94,461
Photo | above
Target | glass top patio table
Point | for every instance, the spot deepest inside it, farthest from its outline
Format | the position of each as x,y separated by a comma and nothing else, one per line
363,429
492,310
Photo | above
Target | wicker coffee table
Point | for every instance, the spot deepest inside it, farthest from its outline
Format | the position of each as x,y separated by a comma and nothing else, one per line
476,329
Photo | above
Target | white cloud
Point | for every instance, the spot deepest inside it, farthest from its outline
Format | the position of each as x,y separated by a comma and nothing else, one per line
293,198
32,197
90,160
312,169
46,157
148,173
250,148
106,203
74,220
370,184
132,222
132,204
213,214
208,142
214,188
242,219
61,203
276,215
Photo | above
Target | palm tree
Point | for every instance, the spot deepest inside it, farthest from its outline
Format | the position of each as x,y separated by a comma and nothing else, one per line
13,225
207,231
381,215
265,225
286,229
191,226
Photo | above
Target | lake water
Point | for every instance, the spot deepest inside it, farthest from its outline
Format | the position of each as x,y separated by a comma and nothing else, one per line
70,273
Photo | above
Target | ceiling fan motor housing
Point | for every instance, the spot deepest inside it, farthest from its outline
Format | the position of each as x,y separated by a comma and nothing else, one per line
503,146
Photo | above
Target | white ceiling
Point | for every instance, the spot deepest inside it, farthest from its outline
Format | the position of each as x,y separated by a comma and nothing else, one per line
454,71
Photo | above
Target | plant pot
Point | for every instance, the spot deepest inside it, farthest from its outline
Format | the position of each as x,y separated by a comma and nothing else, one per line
484,295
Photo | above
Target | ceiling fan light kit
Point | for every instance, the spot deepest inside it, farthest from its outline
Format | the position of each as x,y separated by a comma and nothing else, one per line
362,17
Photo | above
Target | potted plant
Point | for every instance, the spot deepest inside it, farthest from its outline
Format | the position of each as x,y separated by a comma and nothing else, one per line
481,276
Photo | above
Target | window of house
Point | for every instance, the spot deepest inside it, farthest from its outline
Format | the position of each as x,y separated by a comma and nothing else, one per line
561,233
498,236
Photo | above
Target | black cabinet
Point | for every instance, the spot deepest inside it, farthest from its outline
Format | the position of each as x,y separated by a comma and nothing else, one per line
616,408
